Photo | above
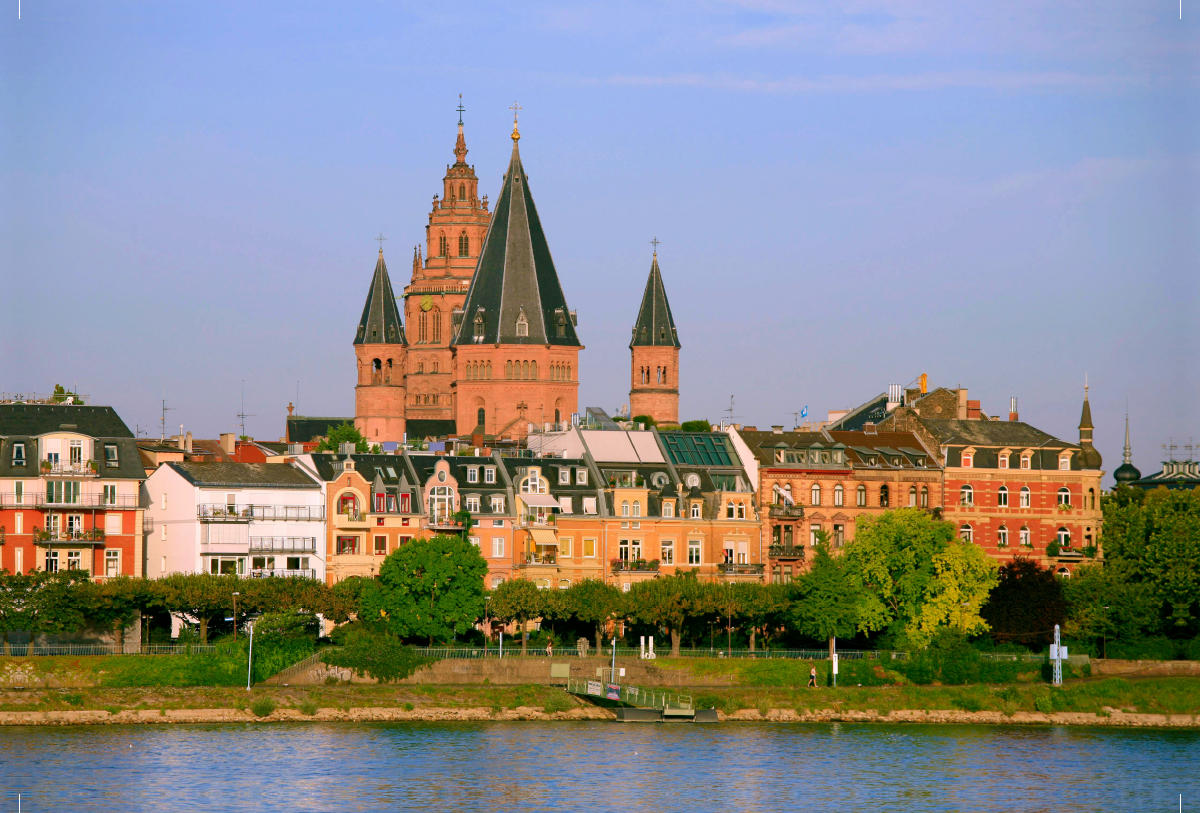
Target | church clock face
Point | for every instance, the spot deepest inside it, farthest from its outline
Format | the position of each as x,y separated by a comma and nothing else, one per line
426,302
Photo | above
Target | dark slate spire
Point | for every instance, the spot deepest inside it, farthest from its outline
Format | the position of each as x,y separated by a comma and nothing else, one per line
1091,457
515,282
380,322
655,327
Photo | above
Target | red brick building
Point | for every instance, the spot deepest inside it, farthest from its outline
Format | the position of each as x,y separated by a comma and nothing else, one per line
654,350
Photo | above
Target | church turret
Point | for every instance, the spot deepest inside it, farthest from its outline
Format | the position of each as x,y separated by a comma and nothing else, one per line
1091,457
380,348
1126,472
516,349
654,374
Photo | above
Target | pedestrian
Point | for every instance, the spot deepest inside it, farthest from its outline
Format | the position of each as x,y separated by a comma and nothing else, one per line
549,649
812,678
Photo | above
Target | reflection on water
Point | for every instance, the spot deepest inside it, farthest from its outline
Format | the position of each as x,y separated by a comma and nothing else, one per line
596,767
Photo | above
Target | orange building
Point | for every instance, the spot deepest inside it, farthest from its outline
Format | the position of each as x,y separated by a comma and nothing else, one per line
654,351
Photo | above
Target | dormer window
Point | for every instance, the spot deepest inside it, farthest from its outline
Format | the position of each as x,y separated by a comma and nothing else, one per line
837,456
581,477
968,460
478,326
1025,461
18,457
668,509
489,475
472,475
1064,463
695,510
522,325
564,477
1003,461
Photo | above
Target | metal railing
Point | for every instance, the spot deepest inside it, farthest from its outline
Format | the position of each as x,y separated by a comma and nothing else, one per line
634,566
297,668
264,573
37,499
282,544
786,551
633,695
512,649
242,513
90,535
740,568
540,559
84,468
786,512
54,650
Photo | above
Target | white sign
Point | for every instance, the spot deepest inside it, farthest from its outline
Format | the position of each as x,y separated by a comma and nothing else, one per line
595,687
1062,652
1053,652
622,671
835,663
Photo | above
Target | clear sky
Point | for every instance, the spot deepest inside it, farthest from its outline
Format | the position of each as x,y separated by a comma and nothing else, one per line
1002,195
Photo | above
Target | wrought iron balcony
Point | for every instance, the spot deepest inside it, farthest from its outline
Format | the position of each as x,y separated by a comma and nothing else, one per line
786,551
263,573
786,512
634,565
82,468
90,536
742,569
37,499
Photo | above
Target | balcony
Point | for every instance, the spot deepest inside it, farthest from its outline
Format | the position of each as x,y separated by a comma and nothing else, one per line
538,521
213,512
31,499
744,569
283,544
91,536
263,573
634,565
548,558
82,468
444,521
786,512
786,551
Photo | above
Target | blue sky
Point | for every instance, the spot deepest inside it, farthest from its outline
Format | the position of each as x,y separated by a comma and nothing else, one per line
1005,196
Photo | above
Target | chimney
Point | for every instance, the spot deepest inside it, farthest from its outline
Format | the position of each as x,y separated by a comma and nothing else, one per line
187,442
346,448
962,404
973,410
179,441
776,430
895,396
295,448
228,442
869,428
1012,408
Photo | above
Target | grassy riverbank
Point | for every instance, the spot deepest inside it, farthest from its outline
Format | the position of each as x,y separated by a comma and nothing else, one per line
1099,698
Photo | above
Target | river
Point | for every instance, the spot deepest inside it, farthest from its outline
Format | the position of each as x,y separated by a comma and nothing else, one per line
596,767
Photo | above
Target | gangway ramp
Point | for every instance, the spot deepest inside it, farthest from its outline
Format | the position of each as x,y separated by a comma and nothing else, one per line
642,705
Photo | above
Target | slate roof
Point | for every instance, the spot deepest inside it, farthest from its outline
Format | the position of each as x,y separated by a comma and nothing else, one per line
244,475
31,420
872,411
1175,474
515,276
655,327
380,322
430,428
991,433
301,429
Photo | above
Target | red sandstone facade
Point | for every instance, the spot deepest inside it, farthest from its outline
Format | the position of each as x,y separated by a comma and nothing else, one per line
654,383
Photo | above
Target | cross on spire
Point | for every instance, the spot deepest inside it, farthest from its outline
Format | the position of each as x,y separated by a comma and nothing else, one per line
380,239
655,243
460,109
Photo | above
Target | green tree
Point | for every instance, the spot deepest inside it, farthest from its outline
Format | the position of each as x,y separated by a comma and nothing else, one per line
594,602
201,596
517,600
764,607
964,576
827,605
696,426
892,565
669,602
430,588
117,602
344,433
1025,604
1105,602
56,603
645,420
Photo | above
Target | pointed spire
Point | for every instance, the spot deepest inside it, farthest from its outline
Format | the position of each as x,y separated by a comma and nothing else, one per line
1085,419
1127,456
1090,456
516,275
416,260
380,322
1127,472
655,326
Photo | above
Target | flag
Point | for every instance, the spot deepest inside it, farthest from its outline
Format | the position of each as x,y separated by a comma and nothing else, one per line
804,412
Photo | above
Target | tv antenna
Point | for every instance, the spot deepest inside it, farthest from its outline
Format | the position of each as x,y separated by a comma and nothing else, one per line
242,416
1189,447
730,411
163,420
1169,447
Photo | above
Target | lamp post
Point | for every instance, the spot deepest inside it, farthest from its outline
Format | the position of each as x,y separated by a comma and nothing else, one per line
250,658
235,624
613,674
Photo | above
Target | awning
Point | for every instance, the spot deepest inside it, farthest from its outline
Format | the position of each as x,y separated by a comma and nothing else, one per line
543,537
539,500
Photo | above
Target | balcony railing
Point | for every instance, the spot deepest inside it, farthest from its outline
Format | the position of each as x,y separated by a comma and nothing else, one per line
540,559
745,569
263,573
283,544
786,551
85,468
786,512
538,521
90,536
213,512
37,499
634,565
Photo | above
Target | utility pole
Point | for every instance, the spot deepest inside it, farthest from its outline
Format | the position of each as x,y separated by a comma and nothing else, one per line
1056,657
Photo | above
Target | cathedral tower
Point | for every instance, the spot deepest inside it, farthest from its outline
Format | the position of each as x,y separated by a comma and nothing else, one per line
655,355
380,348
516,350
433,300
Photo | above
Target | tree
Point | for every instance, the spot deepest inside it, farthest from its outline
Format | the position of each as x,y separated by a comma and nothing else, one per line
430,588
201,596
827,607
117,602
964,576
696,426
344,433
1106,603
1026,603
55,603
592,601
645,420
891,564
763,607
669,602
517,600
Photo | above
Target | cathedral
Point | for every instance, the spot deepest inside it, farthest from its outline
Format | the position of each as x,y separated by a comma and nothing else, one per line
491,346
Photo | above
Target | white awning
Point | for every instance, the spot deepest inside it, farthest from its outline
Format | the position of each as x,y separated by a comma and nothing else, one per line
539,500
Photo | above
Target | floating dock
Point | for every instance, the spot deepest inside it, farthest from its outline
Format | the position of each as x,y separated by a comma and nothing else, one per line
639,705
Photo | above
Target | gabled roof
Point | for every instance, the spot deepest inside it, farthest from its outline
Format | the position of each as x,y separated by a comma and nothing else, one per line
380,322
244,475
30,420
1014,434
655,327
515,279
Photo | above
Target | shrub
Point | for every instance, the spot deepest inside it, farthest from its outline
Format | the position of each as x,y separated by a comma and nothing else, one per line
262,707
1043,703
73,699
558,701
308,708
408,707
378,655
968,702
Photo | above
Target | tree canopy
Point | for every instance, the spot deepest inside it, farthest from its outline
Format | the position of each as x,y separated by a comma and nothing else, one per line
345,432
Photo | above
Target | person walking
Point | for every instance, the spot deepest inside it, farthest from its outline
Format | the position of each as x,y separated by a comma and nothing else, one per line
812,678
549,649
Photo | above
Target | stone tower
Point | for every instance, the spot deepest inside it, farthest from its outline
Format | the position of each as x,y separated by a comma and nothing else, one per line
654,374
380,348
433,300
516,350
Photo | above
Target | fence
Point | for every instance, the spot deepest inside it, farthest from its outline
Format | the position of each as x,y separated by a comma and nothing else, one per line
81,650
513,650
297,668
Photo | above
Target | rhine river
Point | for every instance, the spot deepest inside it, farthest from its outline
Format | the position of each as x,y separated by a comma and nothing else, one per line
596,767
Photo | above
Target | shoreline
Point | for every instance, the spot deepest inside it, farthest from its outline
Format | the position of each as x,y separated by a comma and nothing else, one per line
88,717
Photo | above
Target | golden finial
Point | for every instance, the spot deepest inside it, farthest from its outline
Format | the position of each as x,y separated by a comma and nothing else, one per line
516,136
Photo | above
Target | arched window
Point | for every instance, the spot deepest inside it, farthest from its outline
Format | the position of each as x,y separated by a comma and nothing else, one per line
481,416
443,245
1064,538
1002,497
741,510
487,373
470,372
479,326
1026,541
433,367
966,496
1064,497
422,327
348,504
625,508
965,533
637,508
462,191
1002,537
557,417
533,369
525,370
884,497
861,497
508,369
729,510
420,366
912,496
435,330
568,372
376,371
924,496
816,494
1025,496
387,372
967,460
839,495
464,245
695,510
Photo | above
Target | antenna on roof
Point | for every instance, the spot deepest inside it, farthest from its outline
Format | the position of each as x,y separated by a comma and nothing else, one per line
730,411
1169,447
163,420
242,416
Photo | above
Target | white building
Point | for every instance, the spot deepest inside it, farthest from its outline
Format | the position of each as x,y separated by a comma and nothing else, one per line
248,519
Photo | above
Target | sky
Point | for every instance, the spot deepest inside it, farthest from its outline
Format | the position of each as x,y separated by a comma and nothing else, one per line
1005,196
